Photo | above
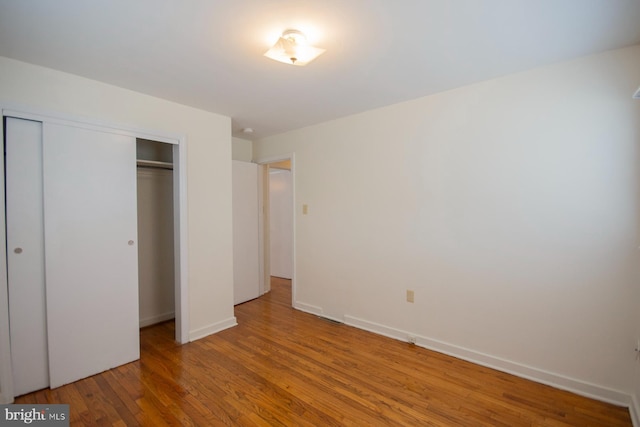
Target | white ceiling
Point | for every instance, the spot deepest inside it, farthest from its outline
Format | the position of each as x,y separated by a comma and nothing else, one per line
208,53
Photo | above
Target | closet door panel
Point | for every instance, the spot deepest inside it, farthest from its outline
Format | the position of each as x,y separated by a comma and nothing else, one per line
90,251
25,255
246,248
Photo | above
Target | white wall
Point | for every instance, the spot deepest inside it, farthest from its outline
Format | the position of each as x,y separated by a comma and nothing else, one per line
509,206
210,264
241,149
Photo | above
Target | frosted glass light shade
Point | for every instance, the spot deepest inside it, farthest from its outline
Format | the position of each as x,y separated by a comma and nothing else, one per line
292,49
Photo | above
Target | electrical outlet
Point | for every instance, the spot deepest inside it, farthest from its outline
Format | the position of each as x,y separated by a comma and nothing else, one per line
411,339
410,295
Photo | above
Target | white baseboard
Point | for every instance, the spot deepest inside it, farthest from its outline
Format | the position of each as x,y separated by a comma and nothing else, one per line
5,400
308,308
152,320
212,329
333,319
555,380
634,411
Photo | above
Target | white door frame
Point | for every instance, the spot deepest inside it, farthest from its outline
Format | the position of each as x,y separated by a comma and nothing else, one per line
179,142
265,193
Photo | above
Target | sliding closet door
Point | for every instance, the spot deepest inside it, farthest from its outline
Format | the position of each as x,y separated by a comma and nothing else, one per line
25,255
90,251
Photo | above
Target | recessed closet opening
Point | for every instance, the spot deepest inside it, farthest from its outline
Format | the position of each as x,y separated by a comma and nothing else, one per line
156,272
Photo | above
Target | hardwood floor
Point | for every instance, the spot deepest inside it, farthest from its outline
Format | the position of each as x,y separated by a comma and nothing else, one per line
284,367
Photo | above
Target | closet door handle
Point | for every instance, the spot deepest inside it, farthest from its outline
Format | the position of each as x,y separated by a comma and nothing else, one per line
18,250
130,242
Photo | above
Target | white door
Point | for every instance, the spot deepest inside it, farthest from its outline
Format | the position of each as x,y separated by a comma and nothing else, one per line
246,253
25,255
90,251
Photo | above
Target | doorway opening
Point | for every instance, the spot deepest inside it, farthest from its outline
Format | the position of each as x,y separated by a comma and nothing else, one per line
278,221
156,264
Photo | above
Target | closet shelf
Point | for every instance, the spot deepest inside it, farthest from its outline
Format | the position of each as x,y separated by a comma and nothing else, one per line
154,164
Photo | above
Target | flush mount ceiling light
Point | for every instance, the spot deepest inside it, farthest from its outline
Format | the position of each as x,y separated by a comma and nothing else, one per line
292,48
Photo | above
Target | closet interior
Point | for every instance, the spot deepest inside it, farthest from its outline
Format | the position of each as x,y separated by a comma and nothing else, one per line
156,275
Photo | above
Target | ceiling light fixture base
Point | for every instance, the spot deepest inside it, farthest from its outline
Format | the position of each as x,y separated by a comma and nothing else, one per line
292,48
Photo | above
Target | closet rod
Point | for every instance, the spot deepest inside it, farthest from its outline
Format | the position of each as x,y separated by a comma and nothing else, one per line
155,164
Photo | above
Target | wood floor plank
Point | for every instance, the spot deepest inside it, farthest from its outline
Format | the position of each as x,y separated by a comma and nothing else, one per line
283,367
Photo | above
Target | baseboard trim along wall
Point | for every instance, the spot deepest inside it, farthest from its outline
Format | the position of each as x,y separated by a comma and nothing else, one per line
152,320
308,308
558,381
634,411
212,329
